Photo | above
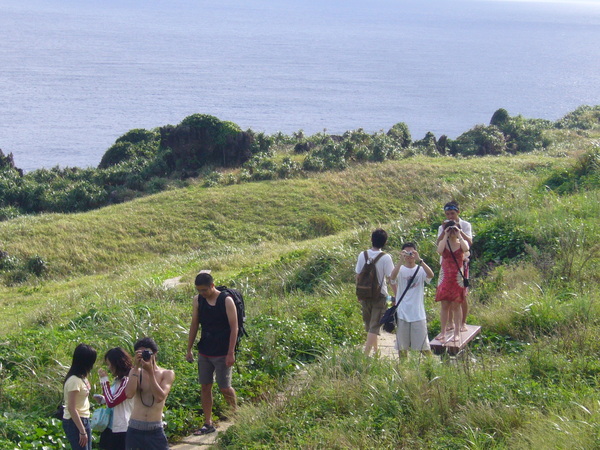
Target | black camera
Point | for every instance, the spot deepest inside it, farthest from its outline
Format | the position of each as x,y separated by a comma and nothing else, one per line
146,355
450,224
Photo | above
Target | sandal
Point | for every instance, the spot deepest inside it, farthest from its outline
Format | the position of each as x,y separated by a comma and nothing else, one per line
206,429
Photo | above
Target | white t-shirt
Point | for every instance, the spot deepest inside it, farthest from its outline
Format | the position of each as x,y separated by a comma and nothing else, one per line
412,307
464,226
384,267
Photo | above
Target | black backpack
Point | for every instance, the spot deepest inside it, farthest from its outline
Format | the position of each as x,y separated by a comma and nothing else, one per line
238,300
368,287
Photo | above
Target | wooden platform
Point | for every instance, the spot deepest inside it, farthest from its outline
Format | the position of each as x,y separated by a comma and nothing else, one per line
453,348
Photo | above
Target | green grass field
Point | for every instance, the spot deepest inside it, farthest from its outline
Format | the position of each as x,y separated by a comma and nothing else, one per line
530,381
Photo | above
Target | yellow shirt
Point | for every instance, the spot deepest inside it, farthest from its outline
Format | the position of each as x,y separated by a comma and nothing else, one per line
82,404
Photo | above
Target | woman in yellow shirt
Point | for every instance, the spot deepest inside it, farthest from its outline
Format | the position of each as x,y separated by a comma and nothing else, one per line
76,419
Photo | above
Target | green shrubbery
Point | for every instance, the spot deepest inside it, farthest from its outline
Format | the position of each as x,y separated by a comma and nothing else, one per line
146,161
583,175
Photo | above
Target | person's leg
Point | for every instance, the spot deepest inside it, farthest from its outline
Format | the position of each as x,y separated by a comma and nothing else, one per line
371,343
444,312
230,397
72,434
206,371
465,310
403,338
207,402
418,337
372,313
465,304
457,311
223,376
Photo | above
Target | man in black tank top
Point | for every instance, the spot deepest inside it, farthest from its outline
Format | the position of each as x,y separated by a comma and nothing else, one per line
215,313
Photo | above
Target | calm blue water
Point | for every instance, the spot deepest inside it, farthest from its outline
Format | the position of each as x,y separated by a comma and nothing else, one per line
75,75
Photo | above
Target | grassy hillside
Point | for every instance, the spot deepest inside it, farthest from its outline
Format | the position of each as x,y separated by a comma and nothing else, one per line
291,245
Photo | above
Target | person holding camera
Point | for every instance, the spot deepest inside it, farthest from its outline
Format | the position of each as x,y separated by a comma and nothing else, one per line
452,211
149,385
451,289
411,330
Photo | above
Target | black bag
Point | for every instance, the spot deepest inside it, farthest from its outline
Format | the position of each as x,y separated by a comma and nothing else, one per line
238,300
389,316
368,287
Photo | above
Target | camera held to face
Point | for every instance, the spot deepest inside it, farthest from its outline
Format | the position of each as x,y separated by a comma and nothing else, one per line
408,253
451,225
146,355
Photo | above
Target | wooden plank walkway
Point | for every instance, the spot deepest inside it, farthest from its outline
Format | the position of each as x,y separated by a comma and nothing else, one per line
453,348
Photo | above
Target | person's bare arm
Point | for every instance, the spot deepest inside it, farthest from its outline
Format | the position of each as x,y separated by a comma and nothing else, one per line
134,378
189,356
442,243
71,401
233,325
159,388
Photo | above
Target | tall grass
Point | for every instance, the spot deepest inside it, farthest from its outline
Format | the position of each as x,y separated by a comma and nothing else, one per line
530,380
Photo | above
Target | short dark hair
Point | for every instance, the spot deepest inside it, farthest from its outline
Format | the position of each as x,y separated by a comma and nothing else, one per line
451,205
146,342
204,279
451,223
379,238
120,360
409,244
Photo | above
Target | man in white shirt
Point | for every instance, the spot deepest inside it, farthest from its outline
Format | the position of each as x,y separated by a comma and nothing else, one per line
411,331
372,310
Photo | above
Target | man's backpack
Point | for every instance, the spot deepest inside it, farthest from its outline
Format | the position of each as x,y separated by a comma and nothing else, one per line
238,299
368,287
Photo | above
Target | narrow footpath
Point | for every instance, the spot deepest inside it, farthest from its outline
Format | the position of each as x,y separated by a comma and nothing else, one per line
386,345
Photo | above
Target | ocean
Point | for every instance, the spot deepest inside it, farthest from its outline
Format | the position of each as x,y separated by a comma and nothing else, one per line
75,75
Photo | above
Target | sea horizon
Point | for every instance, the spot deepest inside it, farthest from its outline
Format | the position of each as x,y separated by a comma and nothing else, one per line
88,73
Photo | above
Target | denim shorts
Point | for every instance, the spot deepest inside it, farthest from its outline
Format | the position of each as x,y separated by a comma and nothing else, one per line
148,438
72,433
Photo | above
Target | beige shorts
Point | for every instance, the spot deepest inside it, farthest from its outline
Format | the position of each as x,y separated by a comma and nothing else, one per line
412,335
372,312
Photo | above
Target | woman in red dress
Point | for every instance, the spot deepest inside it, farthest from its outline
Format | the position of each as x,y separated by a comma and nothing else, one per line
451,291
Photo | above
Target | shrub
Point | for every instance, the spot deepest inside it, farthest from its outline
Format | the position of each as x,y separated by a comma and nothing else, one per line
322,226
584,174
36,265
500,117
135,143
479,141
288,168
313,163
9,212
213,179
501,241
428,145
400,134
583,118
525,135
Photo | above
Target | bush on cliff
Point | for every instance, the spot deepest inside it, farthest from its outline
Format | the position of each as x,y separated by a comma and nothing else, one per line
135,143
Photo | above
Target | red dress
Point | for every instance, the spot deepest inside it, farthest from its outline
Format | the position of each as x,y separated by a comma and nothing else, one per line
450,284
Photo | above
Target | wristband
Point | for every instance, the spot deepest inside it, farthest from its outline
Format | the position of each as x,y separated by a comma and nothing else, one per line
83,434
